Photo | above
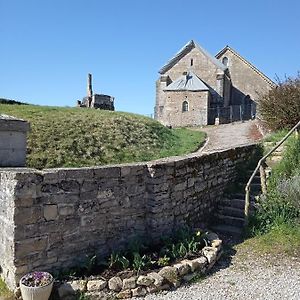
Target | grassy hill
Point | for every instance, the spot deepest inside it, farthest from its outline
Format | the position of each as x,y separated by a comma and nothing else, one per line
74,137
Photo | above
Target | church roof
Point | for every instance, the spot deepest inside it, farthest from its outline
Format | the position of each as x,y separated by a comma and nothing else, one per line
188,82
266,78
186,49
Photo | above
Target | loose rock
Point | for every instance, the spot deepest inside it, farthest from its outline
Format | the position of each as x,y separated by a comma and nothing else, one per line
124,294
139,292
145,280
79,285
96,285
129,283
115,284
158,280
182,269
210,253
170,274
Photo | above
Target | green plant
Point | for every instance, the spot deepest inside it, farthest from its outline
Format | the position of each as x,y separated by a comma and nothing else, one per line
281,204
280,107
4,291
118,261
90,264
140,262
82,296
163,261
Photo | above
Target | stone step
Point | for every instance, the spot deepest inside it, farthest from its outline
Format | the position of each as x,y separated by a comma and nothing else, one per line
241,196
231,212
227,229
235,203
233,221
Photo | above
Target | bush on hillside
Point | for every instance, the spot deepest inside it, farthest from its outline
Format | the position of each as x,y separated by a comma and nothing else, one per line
10,101
280,108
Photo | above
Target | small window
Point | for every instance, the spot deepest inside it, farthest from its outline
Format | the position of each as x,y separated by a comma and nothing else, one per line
192,62
185,106
225,61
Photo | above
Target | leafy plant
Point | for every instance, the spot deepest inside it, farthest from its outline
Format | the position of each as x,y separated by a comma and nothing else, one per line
281,204
140,262
118,261
163,261
280,107
90,264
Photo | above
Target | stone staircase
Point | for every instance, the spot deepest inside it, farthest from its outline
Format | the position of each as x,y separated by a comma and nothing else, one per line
230,212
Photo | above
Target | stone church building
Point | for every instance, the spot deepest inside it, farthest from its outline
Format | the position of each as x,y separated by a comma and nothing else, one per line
196,88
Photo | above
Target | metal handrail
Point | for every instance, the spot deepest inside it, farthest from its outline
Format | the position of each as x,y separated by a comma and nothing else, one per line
262,172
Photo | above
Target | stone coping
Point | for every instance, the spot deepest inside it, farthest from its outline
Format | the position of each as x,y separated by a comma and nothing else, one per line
9,123
168,277
167,162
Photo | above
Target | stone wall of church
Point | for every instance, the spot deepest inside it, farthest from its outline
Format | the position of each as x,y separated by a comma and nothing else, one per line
197,114
244,79
207,71
203,67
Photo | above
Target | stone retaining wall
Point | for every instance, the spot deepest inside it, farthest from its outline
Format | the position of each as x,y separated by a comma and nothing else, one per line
52,219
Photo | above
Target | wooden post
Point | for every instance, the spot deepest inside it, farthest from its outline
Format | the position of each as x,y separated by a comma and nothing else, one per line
263,179
247,206
297,133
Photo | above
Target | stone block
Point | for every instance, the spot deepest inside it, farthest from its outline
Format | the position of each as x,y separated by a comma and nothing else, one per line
139,292
115,284
210,253
158,280
124,294
144,280
66,209
96,285
182,268
129,283
31,245
170,274
50,212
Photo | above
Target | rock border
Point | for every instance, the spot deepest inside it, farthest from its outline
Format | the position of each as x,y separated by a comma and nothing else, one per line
166,278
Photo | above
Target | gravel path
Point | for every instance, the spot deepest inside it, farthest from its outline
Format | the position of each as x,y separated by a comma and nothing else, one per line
244,277
230,135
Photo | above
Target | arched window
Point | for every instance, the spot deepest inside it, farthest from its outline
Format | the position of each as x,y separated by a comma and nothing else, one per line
192,62
225,61
185,106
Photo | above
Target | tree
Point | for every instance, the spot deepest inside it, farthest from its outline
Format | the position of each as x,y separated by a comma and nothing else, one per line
280,108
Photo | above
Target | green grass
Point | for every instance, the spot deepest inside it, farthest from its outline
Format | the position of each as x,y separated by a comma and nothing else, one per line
281,239
275,226
4,291
74,137
276,136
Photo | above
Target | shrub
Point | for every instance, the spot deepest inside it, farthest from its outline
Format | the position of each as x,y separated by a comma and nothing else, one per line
281,204
280,107
290,164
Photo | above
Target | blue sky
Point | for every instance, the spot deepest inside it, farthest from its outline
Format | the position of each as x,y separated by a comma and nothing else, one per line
48,47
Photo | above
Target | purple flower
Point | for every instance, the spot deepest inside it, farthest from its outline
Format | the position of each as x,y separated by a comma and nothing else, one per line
37,279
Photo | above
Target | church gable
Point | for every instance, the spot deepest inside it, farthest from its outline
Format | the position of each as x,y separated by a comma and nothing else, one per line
245,77
191,46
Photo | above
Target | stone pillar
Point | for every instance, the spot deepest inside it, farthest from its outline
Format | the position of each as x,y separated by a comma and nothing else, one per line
220,87
89,90
13,133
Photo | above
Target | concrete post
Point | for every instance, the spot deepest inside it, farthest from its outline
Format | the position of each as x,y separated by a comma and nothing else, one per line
13,133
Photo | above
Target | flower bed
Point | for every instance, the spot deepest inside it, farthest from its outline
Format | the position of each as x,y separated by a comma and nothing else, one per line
136,283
